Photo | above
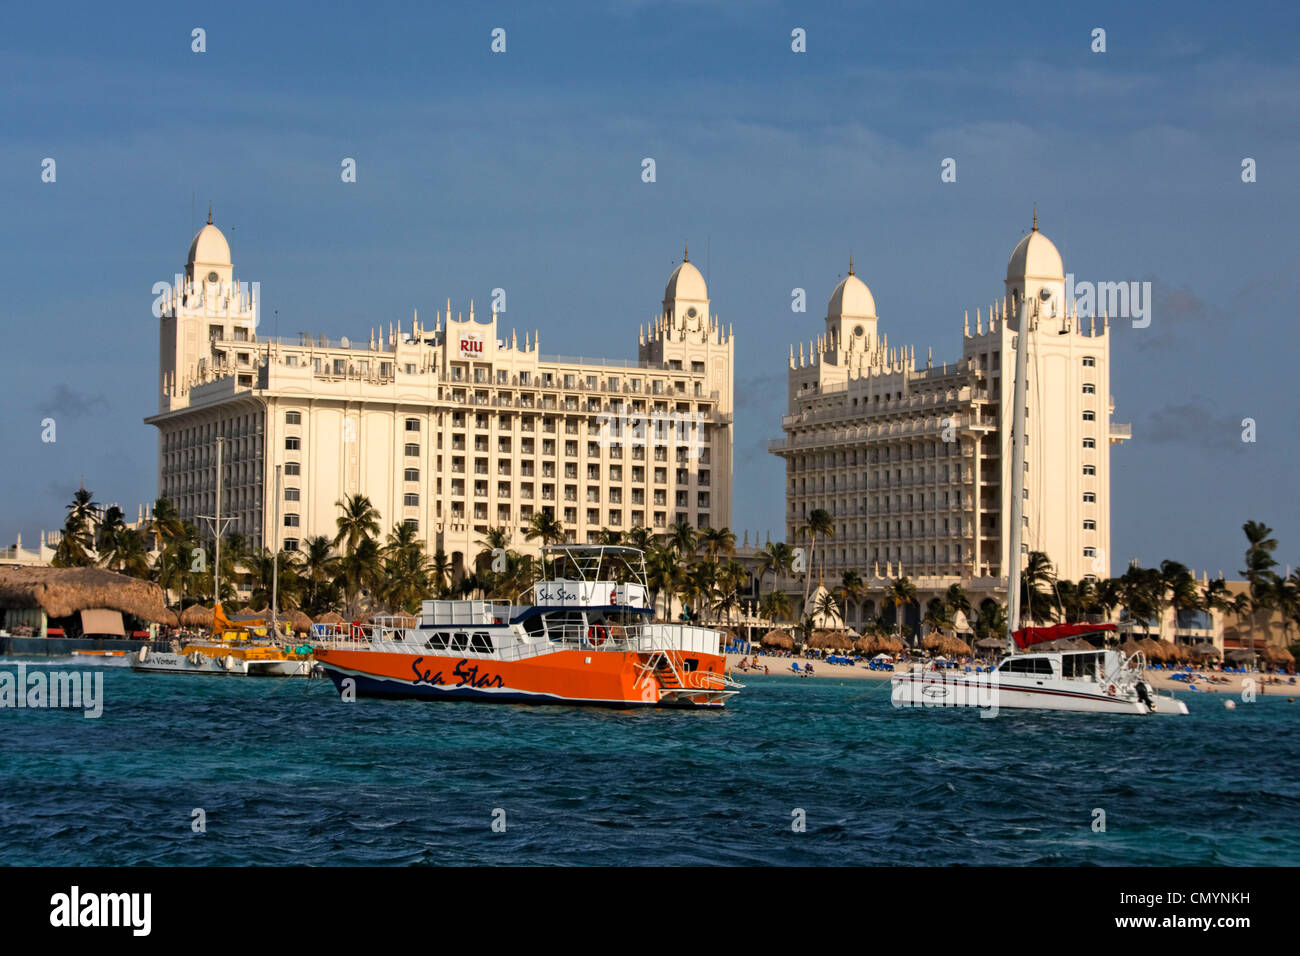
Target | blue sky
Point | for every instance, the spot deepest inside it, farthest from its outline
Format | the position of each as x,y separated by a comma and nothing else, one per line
522,170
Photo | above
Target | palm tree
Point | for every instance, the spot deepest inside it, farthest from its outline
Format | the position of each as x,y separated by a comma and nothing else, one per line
828,607
716,541
1259,571
358,522
776,557
360,571
775,606
122,549
664,575
640,538
937,615
956,599
405,578
701,583
850,589
731,578
1140,593
78,538
819,523
901,595
289,587
992,620
683,540
1038,570
544,526
318,570
440,569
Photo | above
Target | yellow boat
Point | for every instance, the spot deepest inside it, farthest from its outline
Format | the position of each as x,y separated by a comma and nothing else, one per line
236,648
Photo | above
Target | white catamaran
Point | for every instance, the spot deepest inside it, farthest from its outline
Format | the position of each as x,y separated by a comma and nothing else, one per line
1097,680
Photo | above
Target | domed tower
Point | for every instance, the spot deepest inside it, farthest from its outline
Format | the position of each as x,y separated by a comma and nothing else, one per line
686,297
1035,264
851,316
209,258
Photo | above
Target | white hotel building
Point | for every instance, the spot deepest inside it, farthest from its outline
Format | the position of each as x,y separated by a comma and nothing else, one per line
912,461
452,428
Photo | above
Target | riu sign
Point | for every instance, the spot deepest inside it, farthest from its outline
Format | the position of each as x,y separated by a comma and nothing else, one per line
471,345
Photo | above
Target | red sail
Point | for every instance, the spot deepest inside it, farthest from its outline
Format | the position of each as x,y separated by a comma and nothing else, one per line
1028,636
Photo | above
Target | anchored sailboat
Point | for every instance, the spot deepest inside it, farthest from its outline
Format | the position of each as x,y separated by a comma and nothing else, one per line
1095,679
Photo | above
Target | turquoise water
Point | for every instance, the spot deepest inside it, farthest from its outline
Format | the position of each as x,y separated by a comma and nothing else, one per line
286,773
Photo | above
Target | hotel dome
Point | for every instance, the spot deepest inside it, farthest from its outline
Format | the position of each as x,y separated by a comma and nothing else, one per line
210,247
686,283
851,297
1035,255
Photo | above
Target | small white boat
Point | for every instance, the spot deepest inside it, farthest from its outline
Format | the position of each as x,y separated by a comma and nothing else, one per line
1096,681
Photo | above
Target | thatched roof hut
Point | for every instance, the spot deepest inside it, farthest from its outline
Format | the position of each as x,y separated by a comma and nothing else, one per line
1204,649
330,617
62,592
299,621
889,644
196,615
831,640
953,646
932,641
778,638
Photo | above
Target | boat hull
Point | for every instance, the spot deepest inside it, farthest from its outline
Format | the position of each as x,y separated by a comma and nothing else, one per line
230,665
608,678
942,690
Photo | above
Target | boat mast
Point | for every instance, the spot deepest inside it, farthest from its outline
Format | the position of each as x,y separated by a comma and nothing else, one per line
1024,326
275,559
216,527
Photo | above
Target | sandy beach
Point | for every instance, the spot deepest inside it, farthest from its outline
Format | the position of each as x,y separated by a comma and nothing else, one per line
1159,679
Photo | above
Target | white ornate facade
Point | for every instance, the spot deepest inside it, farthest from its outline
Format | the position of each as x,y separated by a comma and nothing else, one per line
911,460
454,427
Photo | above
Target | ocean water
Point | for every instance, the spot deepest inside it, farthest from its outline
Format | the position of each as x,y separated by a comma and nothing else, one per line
286,773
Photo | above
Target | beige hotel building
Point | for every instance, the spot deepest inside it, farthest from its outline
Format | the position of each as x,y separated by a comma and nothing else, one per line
452,428
911,459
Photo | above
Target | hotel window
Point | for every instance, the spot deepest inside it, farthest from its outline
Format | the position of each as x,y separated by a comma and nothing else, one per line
1089,552
291,544
1089,389
1089,443
412,523
291,361
339,367
635,384
292,494
292,444
315,365
1089,361
292,468
1090,525
525,378
412,450
293,418
571,449
1089,497
1089,416
409,368
412,424
291,521
1089,469
411,501
411,474
216,331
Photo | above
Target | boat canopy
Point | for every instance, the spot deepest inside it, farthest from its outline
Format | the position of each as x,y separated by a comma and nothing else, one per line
1028,636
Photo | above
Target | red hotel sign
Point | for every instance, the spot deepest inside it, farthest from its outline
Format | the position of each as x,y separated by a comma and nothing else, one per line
471,345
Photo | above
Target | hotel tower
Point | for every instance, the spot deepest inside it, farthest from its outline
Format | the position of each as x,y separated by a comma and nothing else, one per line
452,427
911,458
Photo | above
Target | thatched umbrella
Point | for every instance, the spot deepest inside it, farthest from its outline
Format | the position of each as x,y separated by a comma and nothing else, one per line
1131,647
330,617
990,644
953,646
62,592
299,621
1171,651
831,640
1151,647
169,619
865,645
932,641
777,638
1205,649
196,615
889,645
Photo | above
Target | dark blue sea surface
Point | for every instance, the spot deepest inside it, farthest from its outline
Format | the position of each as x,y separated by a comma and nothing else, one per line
286,773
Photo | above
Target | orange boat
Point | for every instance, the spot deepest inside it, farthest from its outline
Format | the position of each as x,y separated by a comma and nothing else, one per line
582,635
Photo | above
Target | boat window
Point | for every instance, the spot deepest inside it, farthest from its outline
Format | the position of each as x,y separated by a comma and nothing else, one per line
1017,665
437,641
481,642
690,664
1043,665
459,640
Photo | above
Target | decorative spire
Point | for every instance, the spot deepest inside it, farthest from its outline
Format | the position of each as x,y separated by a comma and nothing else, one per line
850,262
686,252
209,212
1035,229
